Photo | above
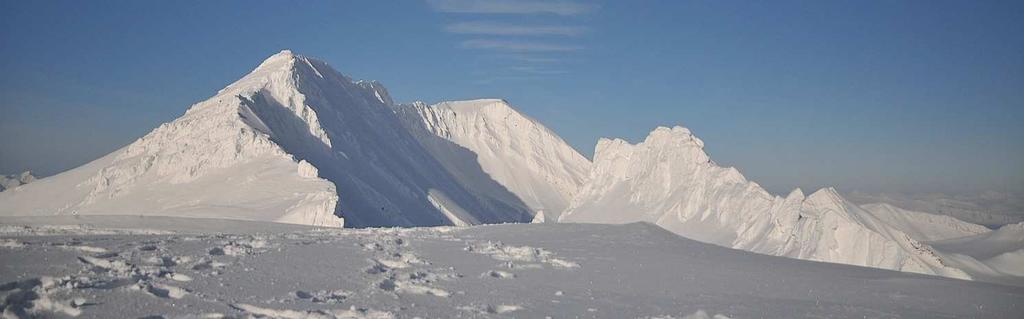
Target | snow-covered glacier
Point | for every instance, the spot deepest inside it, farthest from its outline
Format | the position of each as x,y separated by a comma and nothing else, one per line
670,181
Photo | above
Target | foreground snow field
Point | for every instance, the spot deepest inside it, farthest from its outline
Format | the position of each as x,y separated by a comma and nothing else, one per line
131,267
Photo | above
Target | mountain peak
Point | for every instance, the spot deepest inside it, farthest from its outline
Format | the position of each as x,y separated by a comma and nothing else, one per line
663,134
277,60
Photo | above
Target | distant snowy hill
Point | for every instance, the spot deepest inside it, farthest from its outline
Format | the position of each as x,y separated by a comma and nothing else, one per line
923,226
670,181
996,256
526,158
12,181
294,141
992,209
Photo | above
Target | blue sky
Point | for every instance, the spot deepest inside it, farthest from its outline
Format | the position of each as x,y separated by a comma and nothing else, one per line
905,96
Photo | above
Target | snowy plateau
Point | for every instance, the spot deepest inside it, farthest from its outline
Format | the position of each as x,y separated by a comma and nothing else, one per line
298,192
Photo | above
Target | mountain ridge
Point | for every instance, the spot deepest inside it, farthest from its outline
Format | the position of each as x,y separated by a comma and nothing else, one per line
669,180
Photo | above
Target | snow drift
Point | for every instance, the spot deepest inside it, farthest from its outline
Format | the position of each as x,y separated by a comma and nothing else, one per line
670,181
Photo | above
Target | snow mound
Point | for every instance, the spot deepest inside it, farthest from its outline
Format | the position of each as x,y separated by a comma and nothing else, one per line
670,181
532,165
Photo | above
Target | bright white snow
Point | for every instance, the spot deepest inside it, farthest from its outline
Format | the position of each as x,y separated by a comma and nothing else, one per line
670,181
521,155
294,141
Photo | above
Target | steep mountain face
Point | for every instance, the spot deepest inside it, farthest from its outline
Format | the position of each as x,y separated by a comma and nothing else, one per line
670,181
531,164
293,141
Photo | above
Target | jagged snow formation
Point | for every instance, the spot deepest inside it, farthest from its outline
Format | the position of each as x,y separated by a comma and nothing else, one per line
12,181
670,181
527,159
293,141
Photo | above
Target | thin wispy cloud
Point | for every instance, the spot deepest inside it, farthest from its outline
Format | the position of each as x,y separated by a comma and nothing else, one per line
533,50
565,8
528,58
518,46
499,29
536,70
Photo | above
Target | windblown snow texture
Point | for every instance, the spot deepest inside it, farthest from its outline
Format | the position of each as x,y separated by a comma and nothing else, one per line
670,181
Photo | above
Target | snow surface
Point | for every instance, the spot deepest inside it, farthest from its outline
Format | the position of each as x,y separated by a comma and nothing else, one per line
525,158
236,269
670,181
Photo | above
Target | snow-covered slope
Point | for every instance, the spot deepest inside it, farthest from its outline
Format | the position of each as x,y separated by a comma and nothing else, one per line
524,157
12,181
293,141
923,226
670,181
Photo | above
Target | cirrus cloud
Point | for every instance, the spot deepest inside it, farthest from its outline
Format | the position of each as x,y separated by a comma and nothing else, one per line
565,8
491,28
518,46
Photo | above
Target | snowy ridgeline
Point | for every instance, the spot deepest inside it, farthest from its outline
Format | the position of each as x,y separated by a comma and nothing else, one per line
295,141
164,267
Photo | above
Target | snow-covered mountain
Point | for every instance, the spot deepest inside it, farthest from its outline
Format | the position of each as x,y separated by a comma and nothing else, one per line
293,141
670,181
524,157
12,181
